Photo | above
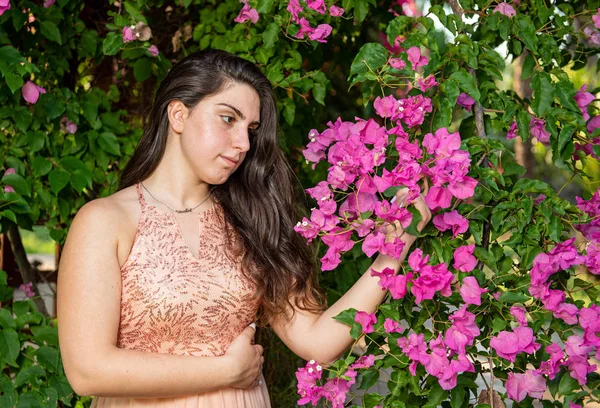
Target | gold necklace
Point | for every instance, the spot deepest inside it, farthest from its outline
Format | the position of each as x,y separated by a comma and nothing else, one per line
177,211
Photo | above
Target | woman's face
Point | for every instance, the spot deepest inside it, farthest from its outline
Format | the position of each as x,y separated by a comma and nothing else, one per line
216,134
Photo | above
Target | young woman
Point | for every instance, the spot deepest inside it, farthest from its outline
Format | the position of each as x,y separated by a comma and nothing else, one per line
159,283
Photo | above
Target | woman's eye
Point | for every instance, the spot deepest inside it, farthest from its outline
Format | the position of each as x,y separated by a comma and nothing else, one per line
227,119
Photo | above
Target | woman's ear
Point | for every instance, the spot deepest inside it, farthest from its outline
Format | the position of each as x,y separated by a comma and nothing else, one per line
178,114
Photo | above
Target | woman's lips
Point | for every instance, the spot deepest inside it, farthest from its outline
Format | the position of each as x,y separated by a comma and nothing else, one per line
229,160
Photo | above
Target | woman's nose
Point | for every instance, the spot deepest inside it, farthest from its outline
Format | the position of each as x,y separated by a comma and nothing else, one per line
242,140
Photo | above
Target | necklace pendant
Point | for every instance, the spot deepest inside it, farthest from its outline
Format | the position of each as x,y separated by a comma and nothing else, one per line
184,211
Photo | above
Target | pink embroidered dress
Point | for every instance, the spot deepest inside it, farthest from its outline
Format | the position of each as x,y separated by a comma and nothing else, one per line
175,303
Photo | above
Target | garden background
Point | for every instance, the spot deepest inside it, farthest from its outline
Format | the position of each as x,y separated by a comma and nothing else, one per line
514,250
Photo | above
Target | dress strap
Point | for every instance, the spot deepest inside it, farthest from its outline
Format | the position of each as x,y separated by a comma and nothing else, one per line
143,203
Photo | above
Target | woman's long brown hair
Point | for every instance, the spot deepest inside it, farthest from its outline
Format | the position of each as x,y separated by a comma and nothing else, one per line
259,200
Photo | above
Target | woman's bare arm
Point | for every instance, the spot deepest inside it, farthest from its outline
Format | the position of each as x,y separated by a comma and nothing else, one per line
88,305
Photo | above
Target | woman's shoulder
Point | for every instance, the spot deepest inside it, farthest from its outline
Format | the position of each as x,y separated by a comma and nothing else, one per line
110,211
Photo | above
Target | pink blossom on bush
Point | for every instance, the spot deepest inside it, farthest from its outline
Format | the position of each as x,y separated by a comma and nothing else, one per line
466,101
4,5
583,99
336,11
366,320
317,5
27,288
506,9
518,386
247,13
579,367
462,332
464,260
397,63
392,326
537,128
512,132
31,92
363,362
508,344
8,188
415,57
451,220
294,8
425,84
596,19
128,34
518,312
593,124
153,50
470,291
49,3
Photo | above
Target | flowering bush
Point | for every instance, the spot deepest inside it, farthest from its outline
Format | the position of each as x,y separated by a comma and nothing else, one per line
496,287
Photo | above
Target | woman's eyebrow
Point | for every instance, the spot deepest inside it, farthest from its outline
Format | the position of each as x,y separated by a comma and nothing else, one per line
237,111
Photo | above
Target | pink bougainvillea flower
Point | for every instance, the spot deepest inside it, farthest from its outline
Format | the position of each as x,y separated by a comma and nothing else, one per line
573,405
4,5
438,197
583,99
415,348
464,260
336,11
442,142
593,124
27,289
579,367
451,220
153,50
364,362
247,13
512,132
506,9
294,8
537,127
518,312
392,326
307,383
518,386
320,33
470,291
317,5
385,107
596,19
397,63
425,83
462,332
466,101
366,320
31,92
432,279
9,189
70,127
415,57
539,199
49,3
128,34
509,344
592,35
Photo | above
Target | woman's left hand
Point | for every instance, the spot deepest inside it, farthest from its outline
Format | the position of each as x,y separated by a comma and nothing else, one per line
394,230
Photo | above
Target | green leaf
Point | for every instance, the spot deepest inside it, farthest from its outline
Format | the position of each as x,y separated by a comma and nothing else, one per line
457,396
35,140
89,43
319,93
361,9
513,297
79,181
41,166
523,120
50,31
565,93
498,324
271,34
466,82
58,180
48,358
9,59
543,93
555,228
112,43
369,379
347,316
14,81
109,143
567,385
526,31
7,321
371,56
533,186
9,346
142,69
416,219
264,6
289,110
17,182
528,65
435,396
30,375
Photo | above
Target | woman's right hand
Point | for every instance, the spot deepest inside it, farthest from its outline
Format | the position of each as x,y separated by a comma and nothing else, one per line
246,359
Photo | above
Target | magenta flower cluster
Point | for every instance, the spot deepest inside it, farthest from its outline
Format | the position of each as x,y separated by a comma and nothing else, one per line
322,31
